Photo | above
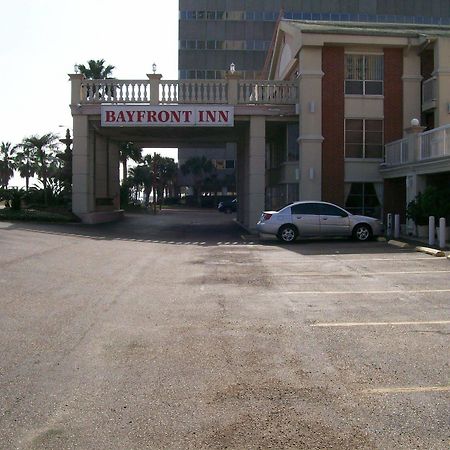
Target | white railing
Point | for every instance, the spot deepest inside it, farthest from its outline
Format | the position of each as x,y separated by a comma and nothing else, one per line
435,143
115,91
396,152
428,93
193,91
189,91
267,92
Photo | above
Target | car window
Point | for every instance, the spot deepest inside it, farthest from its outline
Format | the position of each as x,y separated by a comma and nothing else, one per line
331,210
306,208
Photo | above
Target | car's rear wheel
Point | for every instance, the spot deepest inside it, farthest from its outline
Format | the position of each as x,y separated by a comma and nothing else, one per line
362,232
287,233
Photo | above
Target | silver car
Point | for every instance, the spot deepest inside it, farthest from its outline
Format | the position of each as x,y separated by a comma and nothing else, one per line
317,219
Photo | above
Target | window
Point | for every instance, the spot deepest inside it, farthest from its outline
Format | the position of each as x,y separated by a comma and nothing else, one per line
331,210
364,138
306,208
364,74
363,199
292,144
229,164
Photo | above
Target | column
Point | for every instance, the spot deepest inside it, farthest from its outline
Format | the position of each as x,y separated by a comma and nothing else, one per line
256,171
310,123
412,80
442,74
82,167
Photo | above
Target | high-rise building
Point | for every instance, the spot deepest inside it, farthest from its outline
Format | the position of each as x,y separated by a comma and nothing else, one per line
215,33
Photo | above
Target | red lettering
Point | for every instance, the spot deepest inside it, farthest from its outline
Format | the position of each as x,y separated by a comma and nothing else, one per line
187,116
176,117
130,115
110,116
163,116
151,116
211,116
200,116
121,117
140,116
223,116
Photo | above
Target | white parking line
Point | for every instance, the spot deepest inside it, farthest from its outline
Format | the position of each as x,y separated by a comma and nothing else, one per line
346,274
413,291
408,390
375,324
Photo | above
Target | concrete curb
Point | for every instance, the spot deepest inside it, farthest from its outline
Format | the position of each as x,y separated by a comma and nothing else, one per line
398,243
431,251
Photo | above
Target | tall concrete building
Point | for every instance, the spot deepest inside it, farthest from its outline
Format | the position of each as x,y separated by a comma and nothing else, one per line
215,33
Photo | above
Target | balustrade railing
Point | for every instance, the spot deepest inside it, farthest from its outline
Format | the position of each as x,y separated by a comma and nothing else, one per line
396,152
435,143
188,91
267,92
193,91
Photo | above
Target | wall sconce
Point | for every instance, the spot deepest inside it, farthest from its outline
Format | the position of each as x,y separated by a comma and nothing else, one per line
311,173
154,67
232,68
312,107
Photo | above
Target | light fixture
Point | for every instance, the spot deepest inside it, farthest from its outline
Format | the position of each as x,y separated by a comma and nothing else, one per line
154,67
232,68
415,122
76,69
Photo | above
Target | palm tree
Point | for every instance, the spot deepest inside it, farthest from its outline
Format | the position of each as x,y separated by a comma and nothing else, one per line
26,164
129,150
7,163
198,167
43,147
95,69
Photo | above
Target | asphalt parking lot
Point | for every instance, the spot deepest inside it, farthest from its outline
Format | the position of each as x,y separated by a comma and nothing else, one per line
181,331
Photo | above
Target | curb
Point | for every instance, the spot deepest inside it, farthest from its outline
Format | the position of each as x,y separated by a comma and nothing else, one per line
398,243
431,251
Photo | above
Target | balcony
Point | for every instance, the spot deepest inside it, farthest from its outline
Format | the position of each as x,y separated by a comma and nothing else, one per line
430,147
156,91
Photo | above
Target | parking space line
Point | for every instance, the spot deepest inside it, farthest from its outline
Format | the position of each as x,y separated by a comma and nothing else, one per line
346,274
408,390
375,324
409,291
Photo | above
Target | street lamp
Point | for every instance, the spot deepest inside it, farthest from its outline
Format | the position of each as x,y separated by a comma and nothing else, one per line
232,68
76,69
154,67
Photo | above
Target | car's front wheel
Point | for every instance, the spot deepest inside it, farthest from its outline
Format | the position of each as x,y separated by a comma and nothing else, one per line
362,232
287,233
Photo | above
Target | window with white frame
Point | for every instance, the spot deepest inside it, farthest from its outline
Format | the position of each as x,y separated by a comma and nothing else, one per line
364,138
364,74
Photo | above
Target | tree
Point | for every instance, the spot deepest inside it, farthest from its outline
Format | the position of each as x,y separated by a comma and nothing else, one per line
44,148
95,69
129,150
198,167
7,163
26,164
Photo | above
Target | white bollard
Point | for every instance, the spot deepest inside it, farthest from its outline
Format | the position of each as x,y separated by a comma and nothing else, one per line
442,232
431,230
396,226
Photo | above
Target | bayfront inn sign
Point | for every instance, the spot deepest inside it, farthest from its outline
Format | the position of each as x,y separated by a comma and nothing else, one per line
167,116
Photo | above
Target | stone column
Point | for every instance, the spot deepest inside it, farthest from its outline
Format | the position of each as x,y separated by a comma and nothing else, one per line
442,74
256,171
412,80
82,167
310,123
233,79
114,173
154,87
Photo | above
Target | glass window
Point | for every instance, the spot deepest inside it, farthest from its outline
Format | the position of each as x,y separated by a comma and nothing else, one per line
363,199
292,144
229,164
306,208
364,74
211,15
331,210
364,138
211,45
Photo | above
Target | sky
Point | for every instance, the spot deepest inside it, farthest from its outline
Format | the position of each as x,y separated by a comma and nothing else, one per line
42,40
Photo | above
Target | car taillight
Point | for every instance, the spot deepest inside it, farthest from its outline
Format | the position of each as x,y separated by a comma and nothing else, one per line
266,216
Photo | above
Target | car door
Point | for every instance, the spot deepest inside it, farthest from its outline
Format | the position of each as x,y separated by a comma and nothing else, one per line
305,216
334,221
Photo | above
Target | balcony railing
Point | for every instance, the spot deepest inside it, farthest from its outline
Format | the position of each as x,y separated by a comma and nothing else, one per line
189,92
428,146
396,152
435,143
